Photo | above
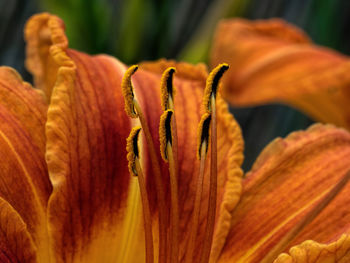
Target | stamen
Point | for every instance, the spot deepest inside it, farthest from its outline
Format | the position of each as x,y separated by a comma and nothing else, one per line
203,142
310,216
210,92
165,134
212,85
167,89
128,92
136,170
166,140
133,109
203,134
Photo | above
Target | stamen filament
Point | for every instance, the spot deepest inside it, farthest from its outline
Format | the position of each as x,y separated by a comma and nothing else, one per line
146,213
158,184
309,217
174,230
209,232
197,205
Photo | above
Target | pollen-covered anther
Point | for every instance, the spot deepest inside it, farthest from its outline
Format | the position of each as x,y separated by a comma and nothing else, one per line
165,134
203,134
212,85
167,89
128,92
132,149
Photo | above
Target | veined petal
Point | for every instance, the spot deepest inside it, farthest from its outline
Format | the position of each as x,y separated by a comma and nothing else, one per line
272,61
16,244
313,252
24,180
190,83
288,179
94,206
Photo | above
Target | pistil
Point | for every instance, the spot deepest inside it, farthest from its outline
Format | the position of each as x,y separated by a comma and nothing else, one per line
166,141
210,106
135,169
133,109
309,217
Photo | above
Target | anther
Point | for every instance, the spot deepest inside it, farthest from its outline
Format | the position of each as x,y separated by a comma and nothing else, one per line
166,141
135,169
132,149
167,89
213,84
165,133
128,91
203,134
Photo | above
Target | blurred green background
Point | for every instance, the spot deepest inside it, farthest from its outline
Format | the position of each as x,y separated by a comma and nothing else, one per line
136,30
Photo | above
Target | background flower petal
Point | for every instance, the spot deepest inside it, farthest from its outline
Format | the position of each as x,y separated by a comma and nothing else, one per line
24,180
272,61
287,180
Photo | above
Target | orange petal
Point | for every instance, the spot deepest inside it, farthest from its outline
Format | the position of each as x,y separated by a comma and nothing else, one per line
313,252
272,61
190,82
288,179
24,181
16,244
94,198
95,205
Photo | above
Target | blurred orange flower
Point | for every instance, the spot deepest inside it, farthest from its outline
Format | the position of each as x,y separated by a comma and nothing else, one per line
272,61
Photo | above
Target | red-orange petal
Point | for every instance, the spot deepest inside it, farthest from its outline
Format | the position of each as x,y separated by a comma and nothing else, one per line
272,61
288,179
24,180
16,244
91,209
86,146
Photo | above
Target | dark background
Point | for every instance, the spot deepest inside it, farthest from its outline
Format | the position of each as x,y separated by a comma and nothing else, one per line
136,30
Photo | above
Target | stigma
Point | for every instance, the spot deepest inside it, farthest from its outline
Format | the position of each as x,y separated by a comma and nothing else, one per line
169,227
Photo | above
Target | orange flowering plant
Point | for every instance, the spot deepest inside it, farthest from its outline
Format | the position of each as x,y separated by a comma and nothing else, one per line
81,181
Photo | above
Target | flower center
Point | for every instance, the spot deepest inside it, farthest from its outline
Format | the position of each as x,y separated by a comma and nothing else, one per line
169,236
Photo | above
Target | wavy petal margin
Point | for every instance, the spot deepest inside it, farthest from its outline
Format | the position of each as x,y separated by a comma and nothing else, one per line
288,179
313,252
272,61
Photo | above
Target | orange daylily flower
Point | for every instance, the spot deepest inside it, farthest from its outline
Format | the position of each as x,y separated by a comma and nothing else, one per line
66,194
273,61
